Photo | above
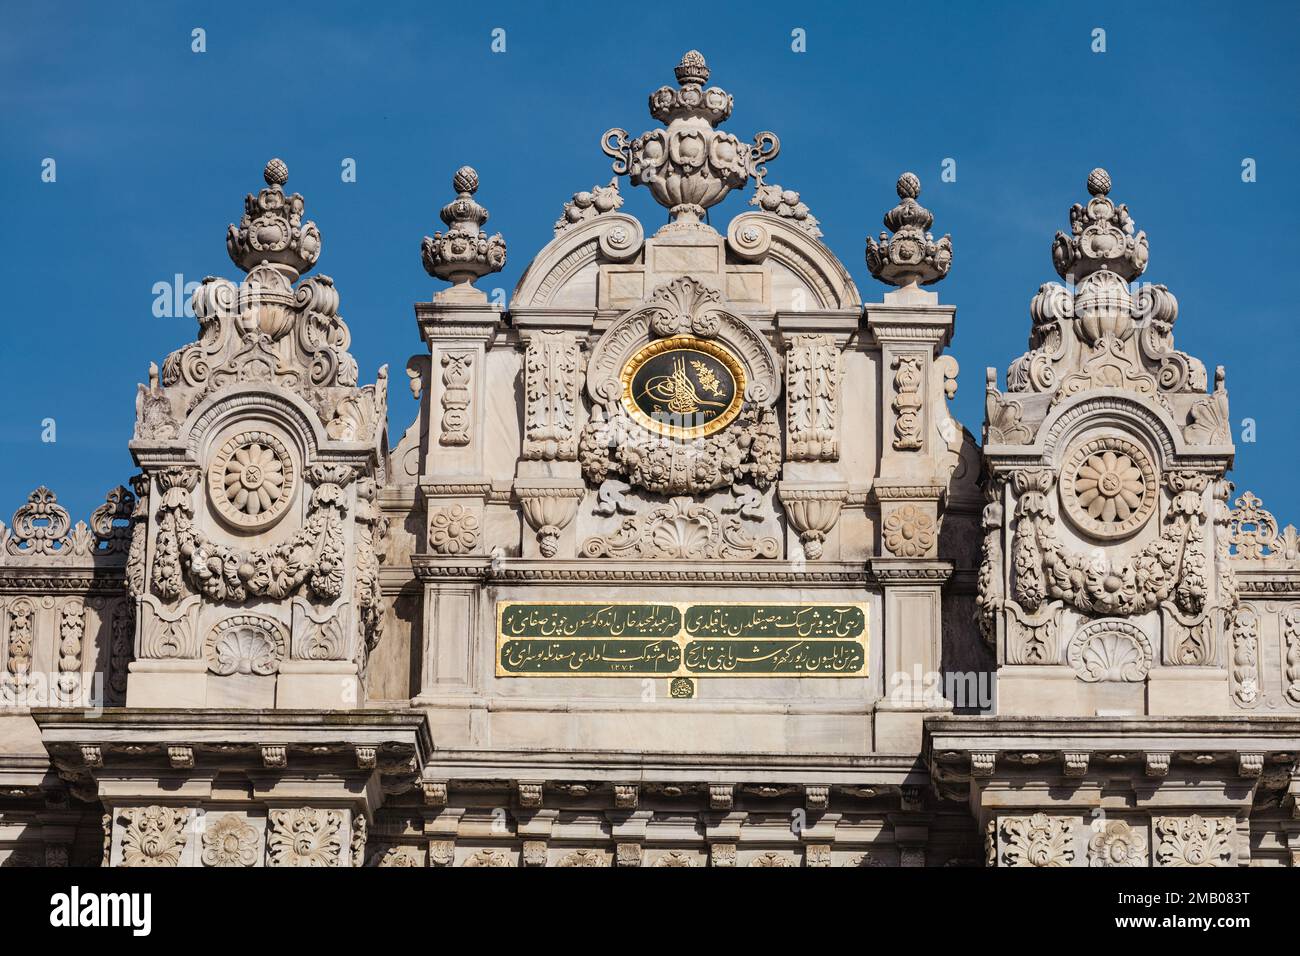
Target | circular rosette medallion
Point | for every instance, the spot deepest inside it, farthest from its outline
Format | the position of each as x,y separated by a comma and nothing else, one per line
683,387
251,480
1108,486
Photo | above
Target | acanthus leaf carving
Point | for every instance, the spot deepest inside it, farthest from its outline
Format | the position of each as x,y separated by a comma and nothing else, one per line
1194,840
305,837
552,366
1037,841
812,369
154,836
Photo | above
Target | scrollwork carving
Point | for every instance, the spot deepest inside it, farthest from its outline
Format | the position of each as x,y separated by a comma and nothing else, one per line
683,530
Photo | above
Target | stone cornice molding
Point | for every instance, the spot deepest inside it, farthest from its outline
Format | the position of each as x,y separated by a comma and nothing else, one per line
65,580
455,487
840,324
892,489
739,770
913,571
119,740
480,570
443,322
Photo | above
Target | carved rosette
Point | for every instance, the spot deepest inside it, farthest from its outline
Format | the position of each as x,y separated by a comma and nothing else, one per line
1108,486
251,480
230,842
1117,844
909,531
453,529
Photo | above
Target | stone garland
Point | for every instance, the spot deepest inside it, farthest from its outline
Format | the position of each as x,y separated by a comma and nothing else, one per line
748,451
1173,567
313,555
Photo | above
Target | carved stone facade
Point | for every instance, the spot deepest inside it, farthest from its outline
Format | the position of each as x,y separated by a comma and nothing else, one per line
682,543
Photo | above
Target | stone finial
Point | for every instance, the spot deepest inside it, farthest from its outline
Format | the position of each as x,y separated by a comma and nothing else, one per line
1101,237
690,165
272,230
911,255
464,253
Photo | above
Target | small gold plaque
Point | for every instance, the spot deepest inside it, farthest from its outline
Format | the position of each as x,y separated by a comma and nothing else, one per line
683,387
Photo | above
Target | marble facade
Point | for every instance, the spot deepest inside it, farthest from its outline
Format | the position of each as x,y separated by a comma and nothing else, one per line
1068,641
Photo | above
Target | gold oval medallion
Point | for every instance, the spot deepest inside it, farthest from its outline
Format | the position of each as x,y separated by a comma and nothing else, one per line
683,387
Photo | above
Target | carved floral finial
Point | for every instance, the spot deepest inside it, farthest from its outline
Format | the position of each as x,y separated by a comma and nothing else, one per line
911,255
690,165
272,230
464,253
1101,237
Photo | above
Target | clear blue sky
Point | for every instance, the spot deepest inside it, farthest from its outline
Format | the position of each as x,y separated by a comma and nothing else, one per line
155,147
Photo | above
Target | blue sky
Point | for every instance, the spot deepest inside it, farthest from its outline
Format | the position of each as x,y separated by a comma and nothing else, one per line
156,145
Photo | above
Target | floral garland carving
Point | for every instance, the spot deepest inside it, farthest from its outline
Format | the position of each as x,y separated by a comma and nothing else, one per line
1171,568
314,555
748,451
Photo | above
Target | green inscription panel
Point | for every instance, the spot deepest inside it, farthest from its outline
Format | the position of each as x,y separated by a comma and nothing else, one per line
591,639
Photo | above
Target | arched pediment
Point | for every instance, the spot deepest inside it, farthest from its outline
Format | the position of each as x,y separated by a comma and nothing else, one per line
565,271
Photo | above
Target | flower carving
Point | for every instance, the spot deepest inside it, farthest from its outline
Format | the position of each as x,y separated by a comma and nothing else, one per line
231,841
1117,844
909,532
251,480
453,530
1108,487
